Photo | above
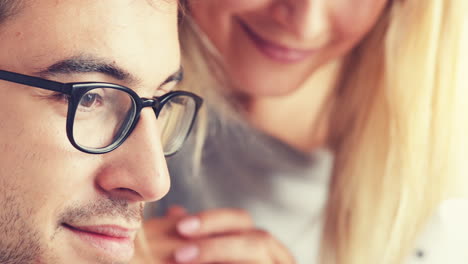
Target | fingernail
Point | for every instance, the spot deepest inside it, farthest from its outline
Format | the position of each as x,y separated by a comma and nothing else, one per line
186,254
189,226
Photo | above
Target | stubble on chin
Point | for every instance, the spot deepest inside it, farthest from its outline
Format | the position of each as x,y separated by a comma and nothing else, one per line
19,241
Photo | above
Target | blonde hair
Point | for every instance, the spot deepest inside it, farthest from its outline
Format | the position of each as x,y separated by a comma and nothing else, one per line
399,132
399,129
206,76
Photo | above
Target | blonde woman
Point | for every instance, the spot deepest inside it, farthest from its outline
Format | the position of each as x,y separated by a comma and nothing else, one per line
340,131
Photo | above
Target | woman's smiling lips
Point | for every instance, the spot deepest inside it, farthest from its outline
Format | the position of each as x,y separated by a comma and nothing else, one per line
113,241
274,51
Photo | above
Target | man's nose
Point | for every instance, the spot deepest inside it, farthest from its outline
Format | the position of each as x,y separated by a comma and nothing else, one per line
308,20
137,170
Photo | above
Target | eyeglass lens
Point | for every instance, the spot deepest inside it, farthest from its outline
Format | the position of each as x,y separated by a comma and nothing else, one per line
105,115
176,118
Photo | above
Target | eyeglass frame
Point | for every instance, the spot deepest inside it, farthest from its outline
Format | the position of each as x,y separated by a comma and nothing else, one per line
76,90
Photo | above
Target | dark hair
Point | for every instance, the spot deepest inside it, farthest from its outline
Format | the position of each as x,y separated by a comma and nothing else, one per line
9,8
183,10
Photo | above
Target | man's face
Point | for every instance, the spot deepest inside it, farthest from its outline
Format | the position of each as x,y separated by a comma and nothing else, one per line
60,205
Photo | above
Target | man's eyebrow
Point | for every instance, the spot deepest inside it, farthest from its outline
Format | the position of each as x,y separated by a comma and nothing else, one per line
92,64
175,77
88,64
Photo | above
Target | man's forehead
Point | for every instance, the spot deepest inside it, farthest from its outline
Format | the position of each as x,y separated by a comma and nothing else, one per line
137,36
9,8
157,4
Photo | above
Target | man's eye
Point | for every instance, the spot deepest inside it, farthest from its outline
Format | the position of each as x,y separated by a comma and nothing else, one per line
88,100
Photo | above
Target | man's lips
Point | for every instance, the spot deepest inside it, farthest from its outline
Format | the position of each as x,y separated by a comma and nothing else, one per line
114,242
109,231
275,51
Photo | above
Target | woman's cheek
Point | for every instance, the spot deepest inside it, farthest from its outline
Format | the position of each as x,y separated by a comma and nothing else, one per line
355,17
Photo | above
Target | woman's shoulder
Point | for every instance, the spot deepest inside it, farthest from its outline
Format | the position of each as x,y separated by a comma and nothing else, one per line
445,238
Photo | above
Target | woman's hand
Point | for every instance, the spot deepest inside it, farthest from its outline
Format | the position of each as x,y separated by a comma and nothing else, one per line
156,245
215,236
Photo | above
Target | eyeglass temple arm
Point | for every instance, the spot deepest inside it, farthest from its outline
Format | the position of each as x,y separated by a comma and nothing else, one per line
34,81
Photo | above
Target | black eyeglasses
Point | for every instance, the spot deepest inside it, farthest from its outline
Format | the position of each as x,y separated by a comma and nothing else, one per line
101,116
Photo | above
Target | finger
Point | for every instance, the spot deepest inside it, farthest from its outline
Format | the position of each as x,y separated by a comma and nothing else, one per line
162,226
160,240
251,247
157,226
176,211
187,254
155,250
214,222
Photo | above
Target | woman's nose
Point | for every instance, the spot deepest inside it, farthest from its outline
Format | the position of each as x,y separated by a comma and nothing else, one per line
308,20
